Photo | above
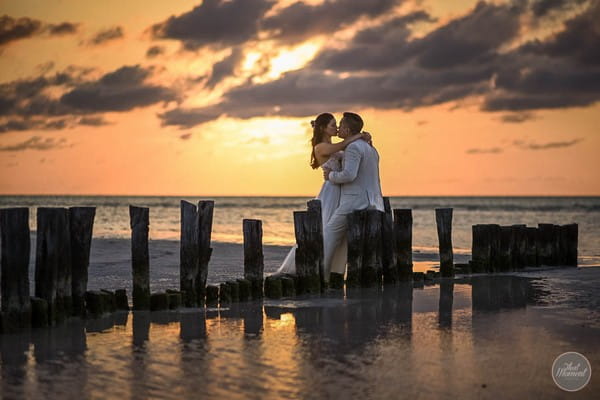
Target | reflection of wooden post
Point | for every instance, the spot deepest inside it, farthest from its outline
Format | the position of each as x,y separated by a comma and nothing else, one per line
16,245
253,256
355,233
140,262
205,220
307,227
372,268
568,244
188,254
388,255
443,218
53,260
81,223
403,242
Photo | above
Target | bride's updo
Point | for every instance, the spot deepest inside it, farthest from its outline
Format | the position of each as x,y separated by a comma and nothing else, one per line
319,125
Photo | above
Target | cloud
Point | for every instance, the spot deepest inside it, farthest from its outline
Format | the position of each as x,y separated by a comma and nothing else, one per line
26,104
542,8
36,143
12,29
491,150
546,146
214,23
225,67
93,121
187,118
300,21
517,118
185,136
106,35
154,51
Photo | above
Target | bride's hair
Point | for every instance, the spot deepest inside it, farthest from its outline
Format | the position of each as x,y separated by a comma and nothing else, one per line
318,126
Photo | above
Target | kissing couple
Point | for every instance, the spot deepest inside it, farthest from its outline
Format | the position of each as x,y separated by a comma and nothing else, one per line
351,172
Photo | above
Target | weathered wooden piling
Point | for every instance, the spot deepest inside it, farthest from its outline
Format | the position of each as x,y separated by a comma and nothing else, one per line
81,224
53,261
443,218
568,237
109,299
273,287
159,301
205,221
212,295
16,246
504,255
189,261
253,256
234,289
403,243
309,253
315,216
531,248
548,244
481,248
95,305
519,246
224,293
121,298
140,260
175,298
388,245
39,312
245,289
288,288
355,233
372,273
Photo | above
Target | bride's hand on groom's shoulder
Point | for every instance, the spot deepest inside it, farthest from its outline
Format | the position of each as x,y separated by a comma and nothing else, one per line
366,136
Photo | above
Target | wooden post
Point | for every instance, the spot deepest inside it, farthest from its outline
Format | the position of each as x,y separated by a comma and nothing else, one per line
253,256
531,249
140,259
495,239
547,243
504,257
443,218
568,244
16,245
188,253
81,224
519,245
481,248
355,233
403,242
53,260
314,213
273,287
388,245
307,227
205,221
372,265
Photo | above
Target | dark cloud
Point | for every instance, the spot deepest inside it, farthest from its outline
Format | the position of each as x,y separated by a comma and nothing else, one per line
188,117
225,67
300,21
155,51
64,28
517,118
491,150
36,143
26,104
546,146
185,136
17,28
542,8
106,35
214,23
12,29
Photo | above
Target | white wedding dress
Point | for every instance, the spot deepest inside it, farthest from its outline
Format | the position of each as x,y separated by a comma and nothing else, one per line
330,199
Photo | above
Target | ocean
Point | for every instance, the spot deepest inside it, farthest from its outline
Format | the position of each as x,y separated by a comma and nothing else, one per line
112,216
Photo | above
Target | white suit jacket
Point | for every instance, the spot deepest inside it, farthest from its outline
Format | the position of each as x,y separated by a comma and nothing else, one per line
361,187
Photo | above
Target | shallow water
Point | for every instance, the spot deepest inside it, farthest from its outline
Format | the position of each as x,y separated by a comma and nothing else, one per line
478,337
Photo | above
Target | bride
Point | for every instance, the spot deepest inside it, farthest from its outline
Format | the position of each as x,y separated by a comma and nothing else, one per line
326,155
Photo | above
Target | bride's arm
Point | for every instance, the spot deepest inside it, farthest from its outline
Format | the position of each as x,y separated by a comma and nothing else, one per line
327,149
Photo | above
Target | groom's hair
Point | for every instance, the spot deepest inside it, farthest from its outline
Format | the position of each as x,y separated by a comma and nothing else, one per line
354,122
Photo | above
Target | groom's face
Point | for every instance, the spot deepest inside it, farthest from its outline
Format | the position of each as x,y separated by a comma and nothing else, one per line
343,131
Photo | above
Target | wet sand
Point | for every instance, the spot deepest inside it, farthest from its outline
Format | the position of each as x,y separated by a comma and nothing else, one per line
472,337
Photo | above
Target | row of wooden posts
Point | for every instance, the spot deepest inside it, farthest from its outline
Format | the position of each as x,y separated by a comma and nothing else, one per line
379,250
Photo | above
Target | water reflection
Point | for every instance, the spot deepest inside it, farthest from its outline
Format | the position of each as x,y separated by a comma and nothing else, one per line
365,342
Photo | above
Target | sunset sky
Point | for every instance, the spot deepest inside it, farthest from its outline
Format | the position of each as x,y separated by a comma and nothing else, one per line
215,97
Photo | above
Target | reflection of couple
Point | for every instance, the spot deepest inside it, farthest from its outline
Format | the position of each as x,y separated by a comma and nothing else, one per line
351,170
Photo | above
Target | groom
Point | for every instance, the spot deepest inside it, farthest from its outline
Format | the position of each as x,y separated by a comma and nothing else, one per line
361,188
